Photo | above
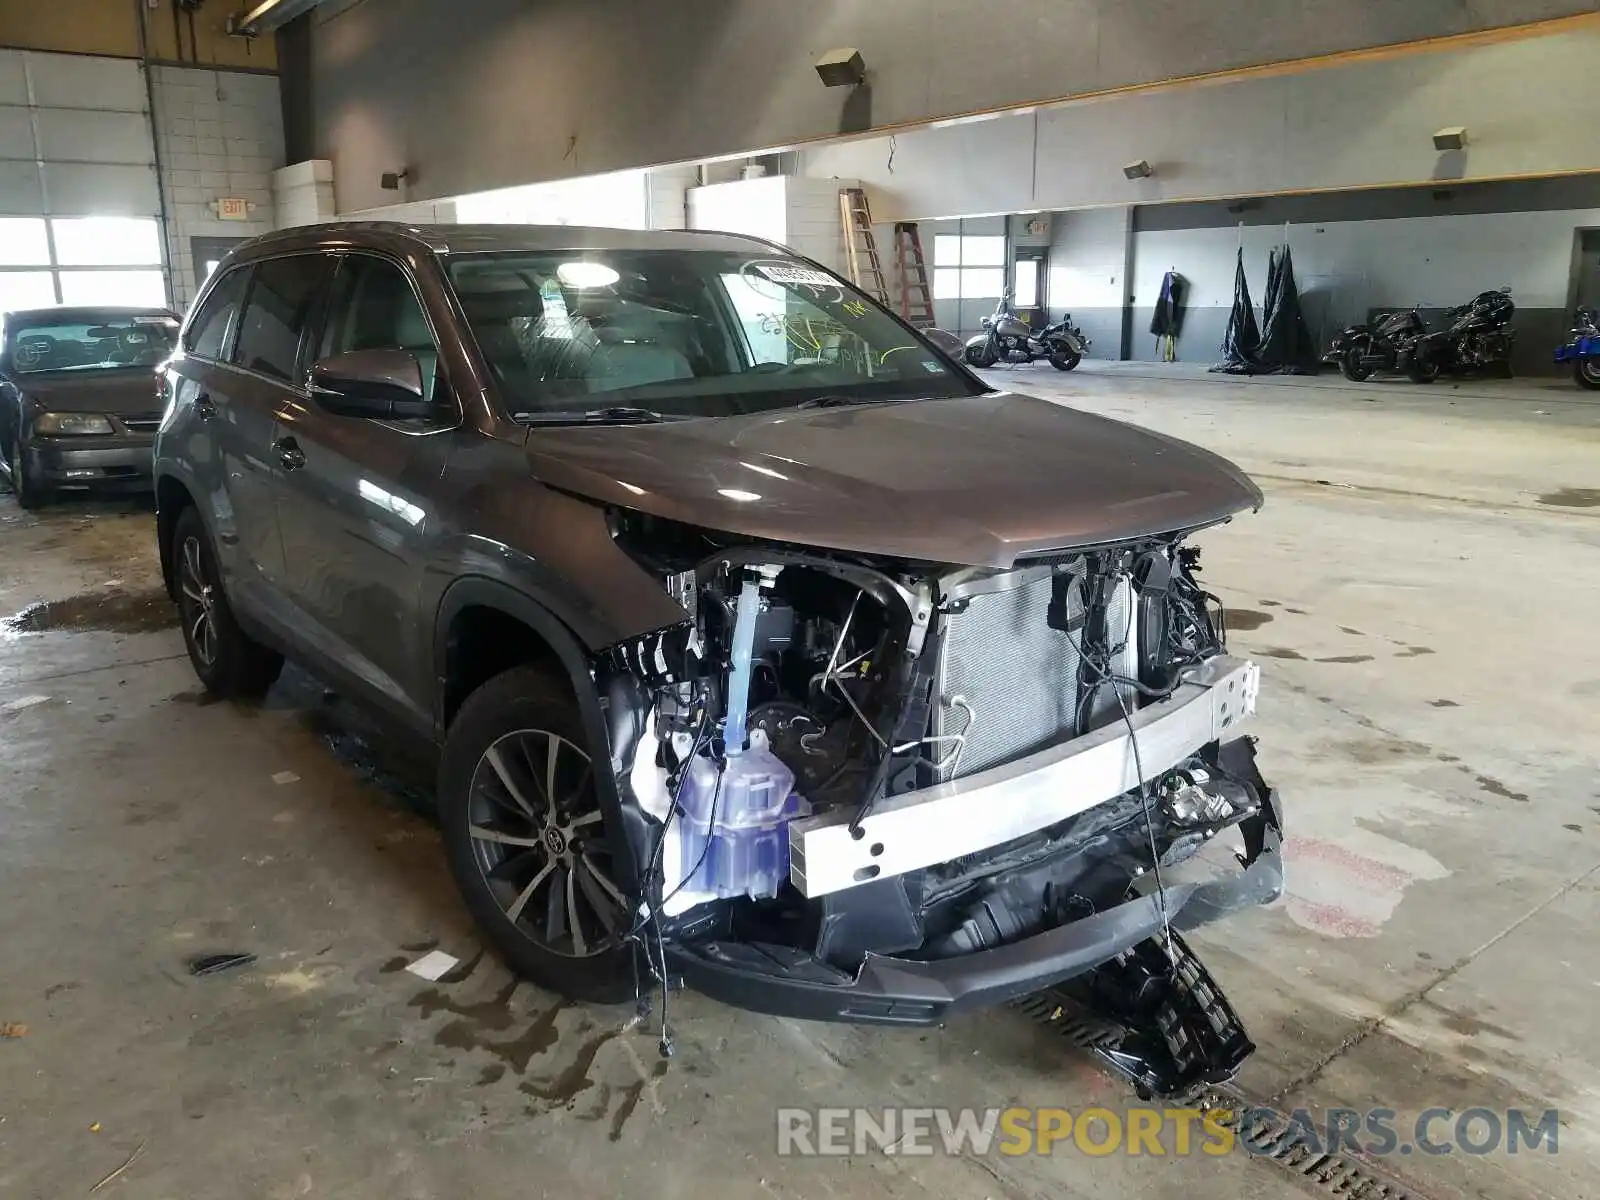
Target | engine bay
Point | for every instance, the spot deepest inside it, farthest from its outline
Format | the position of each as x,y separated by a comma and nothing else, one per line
804,685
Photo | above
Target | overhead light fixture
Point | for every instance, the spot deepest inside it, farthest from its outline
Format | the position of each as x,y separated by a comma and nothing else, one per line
1454,138
263,16
1139,170
390,181
843,67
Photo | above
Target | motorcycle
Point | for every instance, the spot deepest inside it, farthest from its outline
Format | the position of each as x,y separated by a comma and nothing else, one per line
1583,349
1008,338
1478,337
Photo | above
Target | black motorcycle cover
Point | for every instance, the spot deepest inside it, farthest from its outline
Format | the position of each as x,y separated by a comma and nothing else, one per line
1242,337
1168,318
1286,346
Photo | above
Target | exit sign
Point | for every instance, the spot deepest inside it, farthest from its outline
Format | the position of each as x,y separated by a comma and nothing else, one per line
233,208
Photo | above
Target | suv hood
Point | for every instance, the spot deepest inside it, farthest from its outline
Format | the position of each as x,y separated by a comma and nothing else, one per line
976,480
128,392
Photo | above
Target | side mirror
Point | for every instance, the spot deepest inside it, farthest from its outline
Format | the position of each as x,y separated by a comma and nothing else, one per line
371,383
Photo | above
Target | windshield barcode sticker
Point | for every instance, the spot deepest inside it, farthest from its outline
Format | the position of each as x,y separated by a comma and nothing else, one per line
795,273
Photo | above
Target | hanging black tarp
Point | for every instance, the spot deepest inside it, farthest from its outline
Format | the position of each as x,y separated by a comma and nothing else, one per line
1286,346
1242,337
1168,318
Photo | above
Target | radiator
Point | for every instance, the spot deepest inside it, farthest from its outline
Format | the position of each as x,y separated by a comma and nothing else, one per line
1018,676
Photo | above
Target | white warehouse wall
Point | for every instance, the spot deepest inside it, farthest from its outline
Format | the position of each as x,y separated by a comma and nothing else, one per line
1527,105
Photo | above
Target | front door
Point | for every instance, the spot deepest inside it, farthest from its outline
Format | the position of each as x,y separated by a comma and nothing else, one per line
352,508
1586,285
1028,285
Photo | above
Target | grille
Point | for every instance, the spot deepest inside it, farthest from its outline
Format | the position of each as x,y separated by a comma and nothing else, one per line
1018,675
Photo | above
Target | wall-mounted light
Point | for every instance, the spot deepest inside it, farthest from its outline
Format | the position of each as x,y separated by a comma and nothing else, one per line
1139,170
843,67
1454,138
390,181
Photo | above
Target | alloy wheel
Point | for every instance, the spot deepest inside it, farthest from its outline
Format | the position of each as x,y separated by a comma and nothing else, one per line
537,836
199,602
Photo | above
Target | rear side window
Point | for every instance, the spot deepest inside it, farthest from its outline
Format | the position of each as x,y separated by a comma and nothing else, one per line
276,312
208,332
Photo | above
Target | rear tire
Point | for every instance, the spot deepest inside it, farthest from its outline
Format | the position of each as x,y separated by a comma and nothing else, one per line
1064,359
228,662
1586,373
1352,368
511,889
30,493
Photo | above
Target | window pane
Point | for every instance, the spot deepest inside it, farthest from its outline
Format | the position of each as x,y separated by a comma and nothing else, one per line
23,242
946,283
375,308
139,288
946,250
275,314
983,251
107,241
106,341
208,333
26,289
982,283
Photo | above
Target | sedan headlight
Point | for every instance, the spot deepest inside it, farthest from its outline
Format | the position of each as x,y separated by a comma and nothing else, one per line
71,424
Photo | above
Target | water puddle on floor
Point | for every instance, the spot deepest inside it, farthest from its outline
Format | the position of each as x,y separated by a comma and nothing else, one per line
1572,498
113,611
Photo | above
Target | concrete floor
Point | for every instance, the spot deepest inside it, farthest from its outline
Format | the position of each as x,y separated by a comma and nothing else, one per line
1416,588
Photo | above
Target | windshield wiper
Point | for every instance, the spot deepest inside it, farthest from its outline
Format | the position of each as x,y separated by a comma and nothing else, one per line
616,414
839,401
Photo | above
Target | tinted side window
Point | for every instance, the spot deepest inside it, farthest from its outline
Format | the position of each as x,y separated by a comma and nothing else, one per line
275,314
208,333
374,307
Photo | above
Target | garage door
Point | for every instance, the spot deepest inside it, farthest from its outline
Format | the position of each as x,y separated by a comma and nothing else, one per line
78,196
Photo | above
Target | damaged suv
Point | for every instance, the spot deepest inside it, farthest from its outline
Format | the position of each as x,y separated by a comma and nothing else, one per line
766,646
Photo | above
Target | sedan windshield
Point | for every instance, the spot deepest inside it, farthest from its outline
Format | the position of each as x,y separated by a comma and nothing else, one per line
112,342
663,334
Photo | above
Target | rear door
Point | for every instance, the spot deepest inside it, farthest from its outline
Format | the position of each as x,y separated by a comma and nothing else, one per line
261,378
219,433
354,510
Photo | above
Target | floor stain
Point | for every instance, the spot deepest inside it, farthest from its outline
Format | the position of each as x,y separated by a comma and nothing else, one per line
493,1073
630,1100
1243,619
1574,828
113,610
1470,1026
393,965
1572,498
1351,632
1299,612
55,989
1347,658
1442,703
421,947
1415,651
565,1087
1381,749
494,1015
1270,603
1495,788
1284,652
198,697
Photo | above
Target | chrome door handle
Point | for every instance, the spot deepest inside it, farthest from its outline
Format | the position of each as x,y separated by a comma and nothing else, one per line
289,453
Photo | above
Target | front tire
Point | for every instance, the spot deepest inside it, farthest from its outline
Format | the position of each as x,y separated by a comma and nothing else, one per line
1351,366
982,356
30,493
1586,373
228,662
527,841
